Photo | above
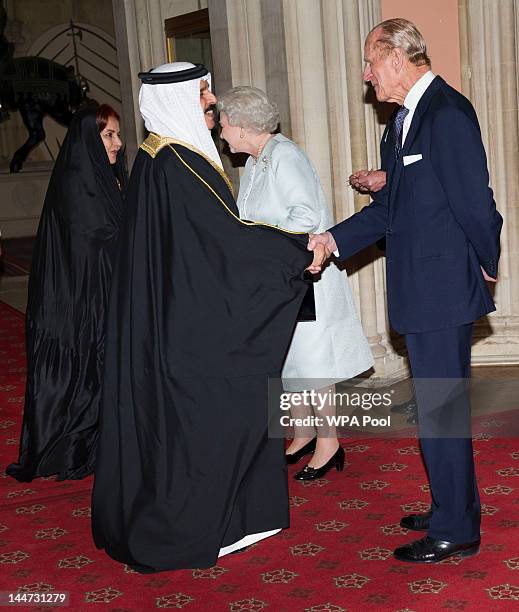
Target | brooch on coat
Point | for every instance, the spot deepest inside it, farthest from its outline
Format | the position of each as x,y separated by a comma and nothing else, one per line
265,161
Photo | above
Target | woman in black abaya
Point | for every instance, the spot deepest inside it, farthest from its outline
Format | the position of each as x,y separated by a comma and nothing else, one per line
68,293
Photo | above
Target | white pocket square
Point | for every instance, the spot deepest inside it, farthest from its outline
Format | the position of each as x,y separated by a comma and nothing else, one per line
411,159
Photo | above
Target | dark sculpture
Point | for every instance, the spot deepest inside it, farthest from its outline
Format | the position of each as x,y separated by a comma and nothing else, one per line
36,87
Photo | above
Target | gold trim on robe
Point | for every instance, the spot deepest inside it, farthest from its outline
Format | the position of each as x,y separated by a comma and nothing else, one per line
242,221
154,143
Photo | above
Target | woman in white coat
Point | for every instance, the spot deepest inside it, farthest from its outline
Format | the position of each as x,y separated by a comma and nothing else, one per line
281,187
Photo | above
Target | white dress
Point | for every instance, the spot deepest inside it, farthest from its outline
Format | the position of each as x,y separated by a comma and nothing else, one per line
283,189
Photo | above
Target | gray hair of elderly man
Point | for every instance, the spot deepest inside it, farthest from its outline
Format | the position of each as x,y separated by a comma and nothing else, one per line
402,34
249,108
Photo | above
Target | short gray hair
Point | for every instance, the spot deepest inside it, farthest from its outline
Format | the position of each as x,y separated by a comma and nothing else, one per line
250,108
402,34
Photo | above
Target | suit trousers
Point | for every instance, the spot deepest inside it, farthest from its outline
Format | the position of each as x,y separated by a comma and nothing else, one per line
440,365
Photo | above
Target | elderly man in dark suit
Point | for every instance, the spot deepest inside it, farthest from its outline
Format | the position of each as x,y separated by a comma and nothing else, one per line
442,231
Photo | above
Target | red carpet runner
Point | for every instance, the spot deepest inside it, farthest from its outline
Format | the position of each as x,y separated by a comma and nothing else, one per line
336,556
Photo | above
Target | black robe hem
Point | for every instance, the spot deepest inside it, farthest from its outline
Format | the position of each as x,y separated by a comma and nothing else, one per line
123,557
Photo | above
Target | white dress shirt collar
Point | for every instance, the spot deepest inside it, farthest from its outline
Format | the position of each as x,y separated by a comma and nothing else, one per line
413,97
418,90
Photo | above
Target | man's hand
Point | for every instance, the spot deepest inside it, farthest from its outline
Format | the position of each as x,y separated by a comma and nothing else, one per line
320,256
487,277
323,245
365,181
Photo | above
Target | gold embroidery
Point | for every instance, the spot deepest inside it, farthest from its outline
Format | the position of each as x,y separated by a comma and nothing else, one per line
154,143
242,221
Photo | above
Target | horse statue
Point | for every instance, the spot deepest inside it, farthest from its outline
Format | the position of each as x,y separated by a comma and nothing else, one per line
36,86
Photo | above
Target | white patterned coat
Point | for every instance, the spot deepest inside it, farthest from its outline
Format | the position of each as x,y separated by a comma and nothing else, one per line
283,189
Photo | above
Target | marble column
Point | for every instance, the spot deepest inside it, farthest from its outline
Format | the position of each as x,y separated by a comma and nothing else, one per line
150,33
251,35
489,37
248,44
247,52
139,34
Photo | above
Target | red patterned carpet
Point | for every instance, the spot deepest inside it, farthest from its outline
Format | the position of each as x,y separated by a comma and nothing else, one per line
336,556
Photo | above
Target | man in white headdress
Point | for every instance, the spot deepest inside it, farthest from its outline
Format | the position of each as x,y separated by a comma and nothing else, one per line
202,310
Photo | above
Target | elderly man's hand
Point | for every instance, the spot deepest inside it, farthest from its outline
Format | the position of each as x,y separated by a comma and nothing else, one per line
488,278
323,245
366,181
320,256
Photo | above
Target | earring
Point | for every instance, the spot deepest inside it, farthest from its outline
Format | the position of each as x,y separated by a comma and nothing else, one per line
242,134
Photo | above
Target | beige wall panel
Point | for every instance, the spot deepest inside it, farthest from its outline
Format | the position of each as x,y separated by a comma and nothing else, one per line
438,22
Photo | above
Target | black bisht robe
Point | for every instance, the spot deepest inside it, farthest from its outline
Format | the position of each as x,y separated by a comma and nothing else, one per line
69,285
202,310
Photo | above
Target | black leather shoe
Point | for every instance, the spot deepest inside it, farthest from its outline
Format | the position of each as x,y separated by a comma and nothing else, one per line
429,550
416,522
405,408
310,473
307,449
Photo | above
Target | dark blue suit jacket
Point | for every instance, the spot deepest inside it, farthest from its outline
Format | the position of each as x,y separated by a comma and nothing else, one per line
438,216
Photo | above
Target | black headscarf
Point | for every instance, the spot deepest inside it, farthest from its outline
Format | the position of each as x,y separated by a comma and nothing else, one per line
83,190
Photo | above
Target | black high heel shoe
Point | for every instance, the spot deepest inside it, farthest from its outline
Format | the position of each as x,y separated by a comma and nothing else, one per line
310,473
307,449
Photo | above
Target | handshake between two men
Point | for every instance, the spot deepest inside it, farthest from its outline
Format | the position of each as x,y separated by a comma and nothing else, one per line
323,245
